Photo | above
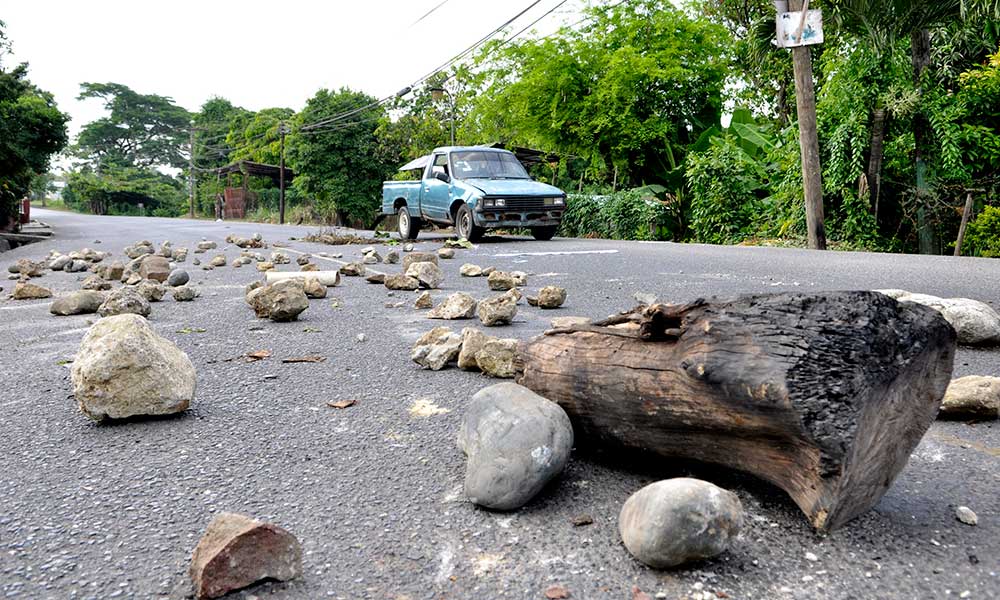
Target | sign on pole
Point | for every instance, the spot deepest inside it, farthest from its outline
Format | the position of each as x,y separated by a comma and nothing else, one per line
790,23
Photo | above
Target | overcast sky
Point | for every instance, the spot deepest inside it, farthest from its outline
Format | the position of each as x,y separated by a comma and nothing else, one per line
256,54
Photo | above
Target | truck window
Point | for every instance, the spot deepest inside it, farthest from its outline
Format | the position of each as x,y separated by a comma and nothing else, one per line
440,165
487,165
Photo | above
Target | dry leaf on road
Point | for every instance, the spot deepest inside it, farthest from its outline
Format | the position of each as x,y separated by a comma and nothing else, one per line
638,594
341,403
554,592
258,355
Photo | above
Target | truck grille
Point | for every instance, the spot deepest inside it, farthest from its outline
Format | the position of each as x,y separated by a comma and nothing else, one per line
523,204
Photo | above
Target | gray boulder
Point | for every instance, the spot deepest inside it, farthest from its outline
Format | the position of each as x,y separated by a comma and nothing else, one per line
456,306
59,263
674,521
392,257
400,281
150,290
124,369
281,301
416,257
124,301
470,270
500,281
184,293
976,323
77,303
428,274
178,277
436,348
516,442
156,268
77,266
446,253
549,296
498,311
974,396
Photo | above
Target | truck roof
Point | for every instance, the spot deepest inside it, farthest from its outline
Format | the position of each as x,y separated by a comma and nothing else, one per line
461,148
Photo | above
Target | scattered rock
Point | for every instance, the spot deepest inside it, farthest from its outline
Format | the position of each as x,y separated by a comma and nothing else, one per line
124,369
206,245
516,442
549,296
488,270
77,303
499,310
280,258
178,277
196,261
565,322
974,396
179,255
400,281
456,306
500,281
133,279
424,300
165,250
219,260
470,270
520,278
407,247
76,266
184,293
473,341
59,263
237,551
427,274
309,267
156,268
313,288
265,266
281,301
418,257
674,521
29,291
303,259
446,253
122,301
392,257
95,282
376,278
514,293
497,357
150,290
436,348
976,323
353,270
965,515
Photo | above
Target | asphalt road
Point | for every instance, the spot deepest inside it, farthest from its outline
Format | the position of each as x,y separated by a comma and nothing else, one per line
373,492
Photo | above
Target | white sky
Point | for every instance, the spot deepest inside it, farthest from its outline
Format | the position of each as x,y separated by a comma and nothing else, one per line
255,53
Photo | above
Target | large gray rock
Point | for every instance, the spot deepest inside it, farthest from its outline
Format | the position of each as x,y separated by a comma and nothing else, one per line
281,301
178,277
500,281
76,266
29,291
428,274
184,293
674,521
974,396
436,348
400,281
416,257
497,358
237,551
516,442
59,262
549,296
313,288
498,311
77,303
124,301
150,290
156,268
456,306
470,270
124,369
976,323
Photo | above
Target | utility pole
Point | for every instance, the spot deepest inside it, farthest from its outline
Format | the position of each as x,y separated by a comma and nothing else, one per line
282,131
805,101
191,176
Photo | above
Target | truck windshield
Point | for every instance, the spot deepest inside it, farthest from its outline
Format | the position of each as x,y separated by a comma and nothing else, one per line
487,165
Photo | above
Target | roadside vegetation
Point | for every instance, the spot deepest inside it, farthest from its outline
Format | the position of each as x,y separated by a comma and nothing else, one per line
662,123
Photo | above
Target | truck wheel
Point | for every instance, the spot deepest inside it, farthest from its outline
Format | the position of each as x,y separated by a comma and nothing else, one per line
544,233
465,227
408,226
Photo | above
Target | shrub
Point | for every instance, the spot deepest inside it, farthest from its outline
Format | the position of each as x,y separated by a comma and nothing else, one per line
724,181
983,235
627,215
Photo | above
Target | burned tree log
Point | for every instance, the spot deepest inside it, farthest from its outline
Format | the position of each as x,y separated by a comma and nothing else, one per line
823,395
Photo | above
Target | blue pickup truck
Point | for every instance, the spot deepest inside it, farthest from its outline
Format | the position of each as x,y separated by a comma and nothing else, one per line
474,189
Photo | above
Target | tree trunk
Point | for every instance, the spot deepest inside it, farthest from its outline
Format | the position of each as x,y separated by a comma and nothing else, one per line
920,54
824,396
880,119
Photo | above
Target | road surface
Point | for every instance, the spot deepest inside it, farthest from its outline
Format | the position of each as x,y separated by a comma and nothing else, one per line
373,492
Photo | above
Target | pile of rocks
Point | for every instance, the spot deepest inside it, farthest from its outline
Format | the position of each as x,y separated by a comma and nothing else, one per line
472,350
256,241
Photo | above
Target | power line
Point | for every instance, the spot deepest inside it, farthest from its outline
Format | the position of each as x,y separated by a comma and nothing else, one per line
430,12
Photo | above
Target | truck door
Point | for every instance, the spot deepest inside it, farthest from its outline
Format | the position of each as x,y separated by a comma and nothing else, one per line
436,197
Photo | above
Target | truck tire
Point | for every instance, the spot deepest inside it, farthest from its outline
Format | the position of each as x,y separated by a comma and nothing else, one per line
409,227
465,227
544,233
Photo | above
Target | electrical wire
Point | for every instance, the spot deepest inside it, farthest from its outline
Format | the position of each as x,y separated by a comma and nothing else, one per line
429,13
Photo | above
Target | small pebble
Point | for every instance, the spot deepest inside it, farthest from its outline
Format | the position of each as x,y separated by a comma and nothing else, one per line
965,515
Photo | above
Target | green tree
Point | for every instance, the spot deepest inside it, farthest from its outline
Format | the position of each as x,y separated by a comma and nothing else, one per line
141,130
258,140
120,190
32,129
339,164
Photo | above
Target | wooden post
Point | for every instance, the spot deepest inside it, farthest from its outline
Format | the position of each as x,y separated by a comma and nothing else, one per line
966,215
805,101
282,130
191,176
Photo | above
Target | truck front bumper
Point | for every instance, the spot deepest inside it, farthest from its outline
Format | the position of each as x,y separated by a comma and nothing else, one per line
493,218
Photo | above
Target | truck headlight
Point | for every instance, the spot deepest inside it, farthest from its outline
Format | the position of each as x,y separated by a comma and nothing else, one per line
560,201
488,203
501,203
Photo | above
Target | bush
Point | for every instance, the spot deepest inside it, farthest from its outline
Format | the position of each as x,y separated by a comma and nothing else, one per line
983,235
627,215
724,181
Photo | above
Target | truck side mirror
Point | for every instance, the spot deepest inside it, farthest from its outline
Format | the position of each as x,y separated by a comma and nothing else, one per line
442,176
